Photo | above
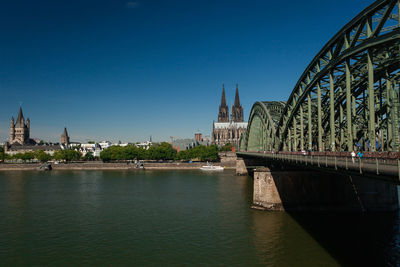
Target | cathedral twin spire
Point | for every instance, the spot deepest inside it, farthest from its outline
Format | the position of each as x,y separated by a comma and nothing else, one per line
237,109
223,115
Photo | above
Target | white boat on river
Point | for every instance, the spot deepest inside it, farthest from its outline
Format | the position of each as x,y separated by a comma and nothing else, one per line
210,167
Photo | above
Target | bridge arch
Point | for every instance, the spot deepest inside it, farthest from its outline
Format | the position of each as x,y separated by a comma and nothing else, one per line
261,129
347,97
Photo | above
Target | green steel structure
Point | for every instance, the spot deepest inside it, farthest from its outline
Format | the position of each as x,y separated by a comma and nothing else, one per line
264,118
347,97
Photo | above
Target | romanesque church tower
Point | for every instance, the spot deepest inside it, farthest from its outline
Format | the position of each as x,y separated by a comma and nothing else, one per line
19,131
237,109
223,115
64,137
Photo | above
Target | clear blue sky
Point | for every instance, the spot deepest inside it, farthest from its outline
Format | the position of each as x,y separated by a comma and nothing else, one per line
125,70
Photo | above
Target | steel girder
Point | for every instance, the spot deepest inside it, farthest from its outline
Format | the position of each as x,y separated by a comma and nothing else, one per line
261,130
348,96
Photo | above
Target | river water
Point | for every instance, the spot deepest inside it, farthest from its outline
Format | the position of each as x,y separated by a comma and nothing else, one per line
153,218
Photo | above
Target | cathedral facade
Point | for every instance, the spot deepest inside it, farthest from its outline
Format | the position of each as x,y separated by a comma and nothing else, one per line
228,129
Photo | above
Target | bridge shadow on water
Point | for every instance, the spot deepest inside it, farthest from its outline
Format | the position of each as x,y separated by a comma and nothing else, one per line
355,239
351,237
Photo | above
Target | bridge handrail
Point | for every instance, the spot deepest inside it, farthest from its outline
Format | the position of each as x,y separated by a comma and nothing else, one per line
388,170
379,155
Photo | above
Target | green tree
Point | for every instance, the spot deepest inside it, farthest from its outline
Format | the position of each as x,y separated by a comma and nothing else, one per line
88,156
163,151
24,156
105,155
58,155
227,147
17,156
42,156
2,154
203,153
67,155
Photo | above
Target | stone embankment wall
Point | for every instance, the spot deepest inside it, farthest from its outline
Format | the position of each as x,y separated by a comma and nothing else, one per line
115,166
227,156
17,166
185,165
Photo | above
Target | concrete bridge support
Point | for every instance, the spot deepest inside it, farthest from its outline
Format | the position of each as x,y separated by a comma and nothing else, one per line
265,192
287,188
241,168
247,165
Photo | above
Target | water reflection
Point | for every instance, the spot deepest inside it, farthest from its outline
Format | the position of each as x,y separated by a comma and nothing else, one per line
13,202
356,239
329,239
280,241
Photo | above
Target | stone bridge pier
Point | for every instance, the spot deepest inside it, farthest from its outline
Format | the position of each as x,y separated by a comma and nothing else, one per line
278,187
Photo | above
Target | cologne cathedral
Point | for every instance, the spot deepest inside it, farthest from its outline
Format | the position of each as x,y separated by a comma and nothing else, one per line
229,129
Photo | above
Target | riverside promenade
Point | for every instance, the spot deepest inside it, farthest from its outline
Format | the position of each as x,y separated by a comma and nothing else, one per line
98,165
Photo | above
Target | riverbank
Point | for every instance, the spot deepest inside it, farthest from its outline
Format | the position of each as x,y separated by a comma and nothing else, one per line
114,166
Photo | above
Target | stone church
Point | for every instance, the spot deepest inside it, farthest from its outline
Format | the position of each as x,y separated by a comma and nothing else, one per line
19,130
20,141
229,129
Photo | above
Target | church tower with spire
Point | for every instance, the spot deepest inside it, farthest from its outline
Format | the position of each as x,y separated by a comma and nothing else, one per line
237,109
64,137
223,115
19,131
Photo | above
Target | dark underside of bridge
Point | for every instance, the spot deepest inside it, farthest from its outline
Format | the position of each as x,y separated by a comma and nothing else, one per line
286,186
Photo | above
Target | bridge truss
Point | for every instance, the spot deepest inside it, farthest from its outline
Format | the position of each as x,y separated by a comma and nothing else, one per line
347,97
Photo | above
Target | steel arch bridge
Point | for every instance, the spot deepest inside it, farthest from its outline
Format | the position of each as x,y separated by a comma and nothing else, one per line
347,97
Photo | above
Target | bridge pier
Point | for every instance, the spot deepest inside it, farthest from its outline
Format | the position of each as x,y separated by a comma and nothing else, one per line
246,166
265,193
292,188
241,168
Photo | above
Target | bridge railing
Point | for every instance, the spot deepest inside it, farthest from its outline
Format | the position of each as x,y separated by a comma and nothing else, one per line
385,165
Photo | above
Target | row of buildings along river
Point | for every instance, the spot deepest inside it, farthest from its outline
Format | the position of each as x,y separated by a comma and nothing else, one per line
227,130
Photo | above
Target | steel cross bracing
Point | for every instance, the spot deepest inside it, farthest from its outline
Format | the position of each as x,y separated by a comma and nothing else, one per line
346,99
264,117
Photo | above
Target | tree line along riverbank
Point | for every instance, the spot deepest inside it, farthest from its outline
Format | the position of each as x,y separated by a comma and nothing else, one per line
162,151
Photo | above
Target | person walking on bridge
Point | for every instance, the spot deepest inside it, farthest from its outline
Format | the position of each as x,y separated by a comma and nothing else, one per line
360,154
353,155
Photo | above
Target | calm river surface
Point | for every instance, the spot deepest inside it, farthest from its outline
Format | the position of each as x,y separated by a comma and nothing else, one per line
105,218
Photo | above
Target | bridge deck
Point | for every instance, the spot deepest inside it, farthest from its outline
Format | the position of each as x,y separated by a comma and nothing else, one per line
383,169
